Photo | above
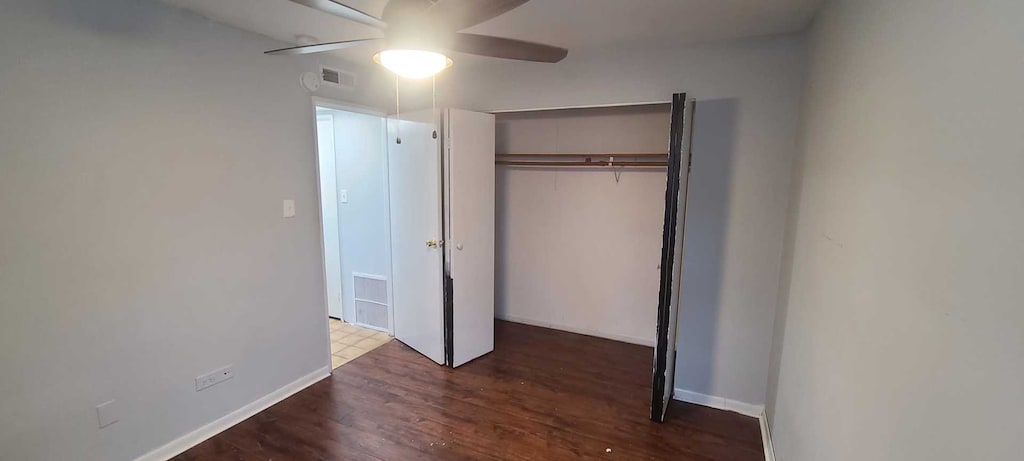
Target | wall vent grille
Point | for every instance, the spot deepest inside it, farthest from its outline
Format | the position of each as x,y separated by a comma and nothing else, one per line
371,300
337,78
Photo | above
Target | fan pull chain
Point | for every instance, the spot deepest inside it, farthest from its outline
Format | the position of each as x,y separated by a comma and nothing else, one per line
398,113
433,100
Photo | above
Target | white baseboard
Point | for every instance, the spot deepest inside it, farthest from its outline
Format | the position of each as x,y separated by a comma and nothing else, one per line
766,438
721,403
179,445
582,331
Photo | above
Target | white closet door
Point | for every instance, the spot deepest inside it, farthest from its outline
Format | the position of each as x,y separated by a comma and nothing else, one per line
470,239
672,255
414,168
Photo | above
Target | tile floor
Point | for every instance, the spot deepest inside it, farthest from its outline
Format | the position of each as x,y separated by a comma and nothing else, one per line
349,341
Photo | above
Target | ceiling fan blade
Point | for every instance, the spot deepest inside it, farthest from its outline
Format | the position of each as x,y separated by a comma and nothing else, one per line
321,47
395,11
345,11
497,47
460,14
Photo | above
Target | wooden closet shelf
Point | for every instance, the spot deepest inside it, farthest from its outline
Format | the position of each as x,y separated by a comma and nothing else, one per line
600,163
620,155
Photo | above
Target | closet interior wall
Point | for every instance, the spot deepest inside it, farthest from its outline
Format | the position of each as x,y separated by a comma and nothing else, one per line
576,248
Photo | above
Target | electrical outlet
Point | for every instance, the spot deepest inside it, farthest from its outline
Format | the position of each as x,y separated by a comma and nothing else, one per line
216,376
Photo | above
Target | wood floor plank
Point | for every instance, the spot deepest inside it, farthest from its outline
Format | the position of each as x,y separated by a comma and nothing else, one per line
542,394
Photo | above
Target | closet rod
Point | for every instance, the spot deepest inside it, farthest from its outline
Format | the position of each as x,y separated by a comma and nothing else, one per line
599,163
623,155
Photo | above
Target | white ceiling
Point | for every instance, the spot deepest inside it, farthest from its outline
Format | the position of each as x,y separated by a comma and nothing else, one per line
574,24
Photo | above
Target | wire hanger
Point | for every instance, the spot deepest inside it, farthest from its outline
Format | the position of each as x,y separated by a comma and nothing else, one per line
611,164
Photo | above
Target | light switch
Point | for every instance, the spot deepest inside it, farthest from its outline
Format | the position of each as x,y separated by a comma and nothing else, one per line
107,413
343,196
289,208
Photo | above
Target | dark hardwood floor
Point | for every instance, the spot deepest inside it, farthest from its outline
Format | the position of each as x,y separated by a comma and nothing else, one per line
542,394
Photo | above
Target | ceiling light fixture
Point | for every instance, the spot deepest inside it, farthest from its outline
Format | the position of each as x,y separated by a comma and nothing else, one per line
413,64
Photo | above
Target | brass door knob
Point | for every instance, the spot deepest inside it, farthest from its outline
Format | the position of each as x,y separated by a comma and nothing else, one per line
432,243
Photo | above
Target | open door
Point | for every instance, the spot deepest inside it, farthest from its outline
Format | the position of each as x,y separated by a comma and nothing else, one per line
469,228
329,213
414,171
671,255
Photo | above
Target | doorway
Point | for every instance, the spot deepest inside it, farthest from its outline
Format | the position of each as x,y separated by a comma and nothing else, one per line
355,225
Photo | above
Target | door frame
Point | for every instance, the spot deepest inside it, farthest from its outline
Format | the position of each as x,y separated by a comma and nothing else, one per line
318,101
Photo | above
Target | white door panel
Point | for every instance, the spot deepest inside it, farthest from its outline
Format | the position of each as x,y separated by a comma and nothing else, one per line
329,213
470,227
415,194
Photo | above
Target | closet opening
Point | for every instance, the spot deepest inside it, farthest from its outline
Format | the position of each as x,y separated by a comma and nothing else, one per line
580,199
589,208
355,227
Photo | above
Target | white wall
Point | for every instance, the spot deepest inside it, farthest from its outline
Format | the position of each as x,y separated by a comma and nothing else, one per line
361,161
145,154
900,336
576,249
748,93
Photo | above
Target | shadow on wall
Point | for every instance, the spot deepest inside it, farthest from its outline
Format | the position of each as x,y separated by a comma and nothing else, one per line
785,279
714,131
96,16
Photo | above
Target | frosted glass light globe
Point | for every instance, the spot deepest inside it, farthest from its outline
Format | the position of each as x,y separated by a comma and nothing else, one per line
413,64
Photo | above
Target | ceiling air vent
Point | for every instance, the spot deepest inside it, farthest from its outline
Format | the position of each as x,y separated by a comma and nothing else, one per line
337,78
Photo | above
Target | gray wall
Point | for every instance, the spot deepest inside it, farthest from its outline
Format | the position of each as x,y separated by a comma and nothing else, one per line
748,94
900,331
144,155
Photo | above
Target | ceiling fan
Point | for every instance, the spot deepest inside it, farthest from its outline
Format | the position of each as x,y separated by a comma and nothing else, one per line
420,34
